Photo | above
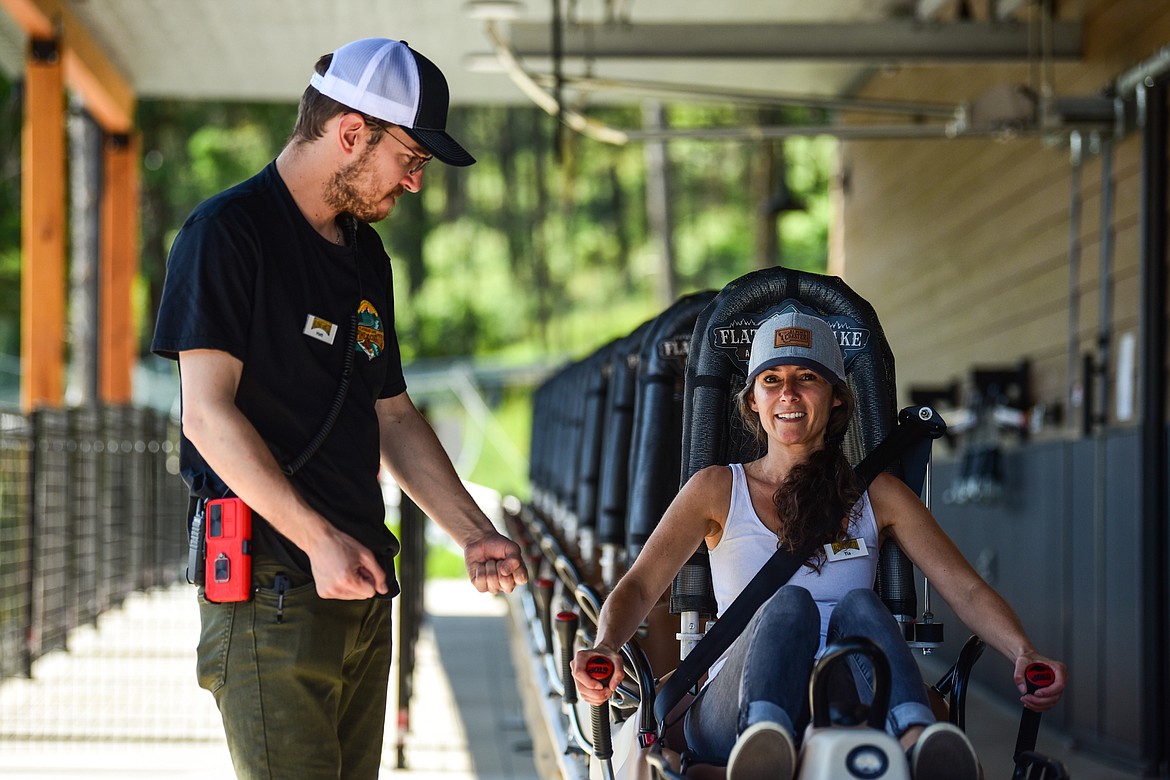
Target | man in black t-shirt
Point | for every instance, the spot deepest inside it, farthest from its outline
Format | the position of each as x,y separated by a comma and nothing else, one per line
278,306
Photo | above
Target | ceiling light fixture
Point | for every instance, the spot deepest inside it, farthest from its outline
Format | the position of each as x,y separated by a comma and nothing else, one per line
499,10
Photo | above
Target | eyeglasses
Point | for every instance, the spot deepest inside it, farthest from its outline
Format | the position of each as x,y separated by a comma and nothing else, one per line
419,162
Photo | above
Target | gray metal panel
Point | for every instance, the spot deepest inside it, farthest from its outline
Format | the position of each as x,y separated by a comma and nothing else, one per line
1075,583
1017,546
1123,592
1084,652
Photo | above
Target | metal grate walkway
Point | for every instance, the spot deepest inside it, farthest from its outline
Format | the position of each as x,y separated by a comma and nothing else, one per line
123,701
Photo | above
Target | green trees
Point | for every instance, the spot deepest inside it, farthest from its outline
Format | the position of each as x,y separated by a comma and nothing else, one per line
530,252
532,256
10,118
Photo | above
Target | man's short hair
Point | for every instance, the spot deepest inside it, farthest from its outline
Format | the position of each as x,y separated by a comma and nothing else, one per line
316,110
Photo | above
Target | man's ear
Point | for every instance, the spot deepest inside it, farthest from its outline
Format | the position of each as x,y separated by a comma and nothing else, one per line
348,132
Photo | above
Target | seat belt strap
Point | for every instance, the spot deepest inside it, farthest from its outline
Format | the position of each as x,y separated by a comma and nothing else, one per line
777,571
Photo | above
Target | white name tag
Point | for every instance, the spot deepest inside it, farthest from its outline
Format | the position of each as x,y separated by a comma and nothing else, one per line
850,548
322,330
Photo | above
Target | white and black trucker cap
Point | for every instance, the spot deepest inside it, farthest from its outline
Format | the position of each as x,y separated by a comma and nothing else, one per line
390,81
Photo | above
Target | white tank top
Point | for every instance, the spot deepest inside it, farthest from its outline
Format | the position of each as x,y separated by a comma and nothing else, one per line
747,544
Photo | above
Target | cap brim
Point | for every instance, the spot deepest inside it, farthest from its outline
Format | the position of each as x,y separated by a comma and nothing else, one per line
441,145
825,373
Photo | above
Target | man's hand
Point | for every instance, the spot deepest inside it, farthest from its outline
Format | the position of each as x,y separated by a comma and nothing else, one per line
345,569
494,564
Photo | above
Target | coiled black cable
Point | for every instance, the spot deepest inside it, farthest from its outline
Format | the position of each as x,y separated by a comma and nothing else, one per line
334,410
350,224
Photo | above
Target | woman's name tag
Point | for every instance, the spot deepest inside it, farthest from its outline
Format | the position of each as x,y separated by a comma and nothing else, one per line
850,548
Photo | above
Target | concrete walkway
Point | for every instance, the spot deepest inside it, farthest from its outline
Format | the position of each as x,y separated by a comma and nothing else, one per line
123,701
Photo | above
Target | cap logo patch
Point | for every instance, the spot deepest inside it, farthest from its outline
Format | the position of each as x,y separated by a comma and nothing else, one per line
794,337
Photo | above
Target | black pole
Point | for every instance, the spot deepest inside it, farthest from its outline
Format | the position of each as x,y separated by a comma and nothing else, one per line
558,54
1156,540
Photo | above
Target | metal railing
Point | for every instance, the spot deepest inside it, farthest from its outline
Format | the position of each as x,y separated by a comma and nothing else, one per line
92,553
91,510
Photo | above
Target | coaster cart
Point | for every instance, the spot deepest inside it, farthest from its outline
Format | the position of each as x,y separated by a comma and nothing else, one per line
614,435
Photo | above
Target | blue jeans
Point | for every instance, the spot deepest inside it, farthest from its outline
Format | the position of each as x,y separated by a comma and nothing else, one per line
767,671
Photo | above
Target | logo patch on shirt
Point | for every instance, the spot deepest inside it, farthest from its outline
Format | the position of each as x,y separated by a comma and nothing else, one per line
850,548
317,328
371,338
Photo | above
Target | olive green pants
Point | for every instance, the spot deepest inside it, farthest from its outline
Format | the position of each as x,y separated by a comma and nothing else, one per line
301,682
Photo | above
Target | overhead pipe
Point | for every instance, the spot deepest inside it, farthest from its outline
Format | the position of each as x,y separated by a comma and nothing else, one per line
547,103
534,87
750,97
1097,418
907,131
1105,284
1145,73
1076,160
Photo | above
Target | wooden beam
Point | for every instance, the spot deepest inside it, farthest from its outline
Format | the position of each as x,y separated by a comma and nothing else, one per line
118,331
32,16
43,230
107,94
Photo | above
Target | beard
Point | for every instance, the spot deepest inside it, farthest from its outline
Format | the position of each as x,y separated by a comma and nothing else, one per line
353,189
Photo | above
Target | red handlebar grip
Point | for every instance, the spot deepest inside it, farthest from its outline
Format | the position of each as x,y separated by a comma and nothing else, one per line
1037,676
599,668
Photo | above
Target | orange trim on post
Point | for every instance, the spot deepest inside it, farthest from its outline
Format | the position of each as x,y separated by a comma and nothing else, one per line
35,19
118,339
107,94
43,230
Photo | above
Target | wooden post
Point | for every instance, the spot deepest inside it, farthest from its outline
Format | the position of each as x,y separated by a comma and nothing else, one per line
43,229
118,341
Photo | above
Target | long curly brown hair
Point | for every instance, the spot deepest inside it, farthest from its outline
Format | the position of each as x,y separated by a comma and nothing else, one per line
818,497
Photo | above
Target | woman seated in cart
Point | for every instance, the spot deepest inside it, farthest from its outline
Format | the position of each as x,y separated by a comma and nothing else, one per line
802,494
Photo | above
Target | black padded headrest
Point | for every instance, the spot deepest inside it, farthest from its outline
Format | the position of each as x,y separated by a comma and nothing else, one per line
722,338
656,444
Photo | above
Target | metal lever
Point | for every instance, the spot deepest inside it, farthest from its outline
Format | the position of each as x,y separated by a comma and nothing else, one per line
1036,676
600,668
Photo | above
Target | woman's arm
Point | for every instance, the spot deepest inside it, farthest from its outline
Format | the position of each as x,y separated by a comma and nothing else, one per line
901,516
698,511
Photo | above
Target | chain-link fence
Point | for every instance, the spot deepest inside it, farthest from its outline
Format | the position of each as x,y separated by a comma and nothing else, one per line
97,628
91,510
